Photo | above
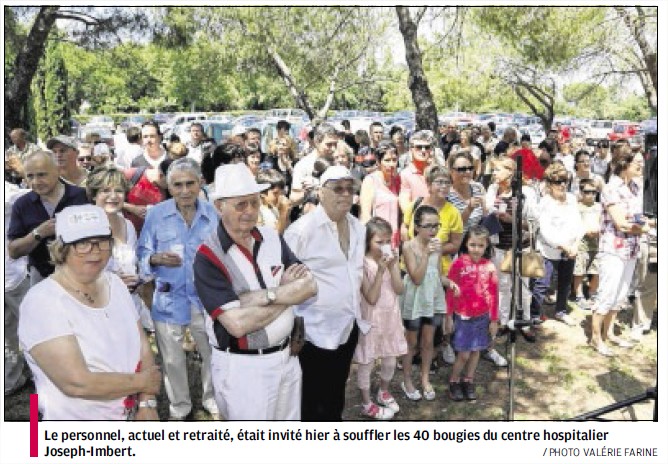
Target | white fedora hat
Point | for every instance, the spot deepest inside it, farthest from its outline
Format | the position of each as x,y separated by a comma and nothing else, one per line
235,180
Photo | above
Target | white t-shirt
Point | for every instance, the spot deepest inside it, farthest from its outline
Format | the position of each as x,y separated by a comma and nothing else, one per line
108,338
15,269
303,170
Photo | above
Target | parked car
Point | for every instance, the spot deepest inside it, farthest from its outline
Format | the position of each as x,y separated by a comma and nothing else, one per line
625,130
131,121
220,117
181,119
217,130
102,121
162,118
289,114
269,132
598,130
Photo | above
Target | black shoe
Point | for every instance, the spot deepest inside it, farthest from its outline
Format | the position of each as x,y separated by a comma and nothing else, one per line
529,334
456,393
417,360
433,368
468,390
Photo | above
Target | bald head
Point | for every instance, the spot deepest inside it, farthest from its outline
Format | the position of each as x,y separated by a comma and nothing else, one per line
41,172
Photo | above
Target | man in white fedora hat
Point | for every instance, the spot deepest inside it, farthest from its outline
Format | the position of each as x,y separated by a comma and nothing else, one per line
248,279
331,242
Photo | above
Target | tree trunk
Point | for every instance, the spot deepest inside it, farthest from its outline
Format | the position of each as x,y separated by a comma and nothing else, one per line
27,61
330,95
425,111
301,99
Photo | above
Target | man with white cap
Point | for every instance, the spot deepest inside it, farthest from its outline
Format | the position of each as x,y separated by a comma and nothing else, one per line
331,242
66,151
248,279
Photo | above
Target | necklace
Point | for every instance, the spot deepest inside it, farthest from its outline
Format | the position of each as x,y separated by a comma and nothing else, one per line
84,295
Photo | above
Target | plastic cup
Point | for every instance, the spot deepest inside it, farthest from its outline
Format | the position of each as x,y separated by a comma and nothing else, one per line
178,249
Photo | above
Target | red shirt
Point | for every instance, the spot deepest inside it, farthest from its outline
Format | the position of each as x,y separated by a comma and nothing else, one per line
479,287
531,168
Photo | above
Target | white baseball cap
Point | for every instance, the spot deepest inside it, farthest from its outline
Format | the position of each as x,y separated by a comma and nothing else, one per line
76,223
336,173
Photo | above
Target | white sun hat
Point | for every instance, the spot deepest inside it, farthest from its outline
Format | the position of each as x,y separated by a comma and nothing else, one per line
235,180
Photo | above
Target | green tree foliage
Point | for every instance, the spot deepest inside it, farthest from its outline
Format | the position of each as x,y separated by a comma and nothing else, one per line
51,105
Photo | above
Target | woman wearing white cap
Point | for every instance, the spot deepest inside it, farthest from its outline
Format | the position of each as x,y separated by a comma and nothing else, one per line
88,354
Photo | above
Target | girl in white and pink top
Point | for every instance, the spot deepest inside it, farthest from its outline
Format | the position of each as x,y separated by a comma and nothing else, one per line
381,287
472,316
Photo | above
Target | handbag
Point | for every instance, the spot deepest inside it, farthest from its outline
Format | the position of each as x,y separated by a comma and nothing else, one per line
298,336
533,264
143,192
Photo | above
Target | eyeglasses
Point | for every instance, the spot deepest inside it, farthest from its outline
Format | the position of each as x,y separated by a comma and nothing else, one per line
331,144
243,205
464,169
85,158
422,147
431,226
341,189
83,247
558,181
442,182
589,192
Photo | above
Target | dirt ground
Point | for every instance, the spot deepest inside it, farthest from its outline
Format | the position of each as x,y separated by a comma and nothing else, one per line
558,377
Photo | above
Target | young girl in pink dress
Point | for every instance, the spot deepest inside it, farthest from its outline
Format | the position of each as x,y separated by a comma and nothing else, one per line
381,286
473,315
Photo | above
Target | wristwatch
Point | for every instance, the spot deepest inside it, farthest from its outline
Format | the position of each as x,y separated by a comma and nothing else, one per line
36,234
271,296
152,403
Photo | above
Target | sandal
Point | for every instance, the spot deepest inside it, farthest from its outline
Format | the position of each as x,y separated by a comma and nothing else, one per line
602,349
429,395
413,396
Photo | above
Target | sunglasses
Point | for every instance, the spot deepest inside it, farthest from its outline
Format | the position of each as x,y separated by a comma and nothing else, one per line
341,189
589,192
464,169
369,163
433,226
558,181
422,147
85,158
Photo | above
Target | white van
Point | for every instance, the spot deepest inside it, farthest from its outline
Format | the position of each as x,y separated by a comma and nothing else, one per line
598,130
181,119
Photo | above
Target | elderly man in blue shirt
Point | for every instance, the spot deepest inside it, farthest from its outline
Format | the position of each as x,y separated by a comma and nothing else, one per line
173,231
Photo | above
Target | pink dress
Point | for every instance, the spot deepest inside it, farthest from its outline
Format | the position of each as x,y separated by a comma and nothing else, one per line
386,337
386,202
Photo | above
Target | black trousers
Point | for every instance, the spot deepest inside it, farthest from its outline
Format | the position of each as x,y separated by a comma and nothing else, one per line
324,376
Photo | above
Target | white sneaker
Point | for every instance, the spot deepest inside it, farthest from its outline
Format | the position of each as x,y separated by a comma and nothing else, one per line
636,333
374,411
385,399
495,357
566,319
448,354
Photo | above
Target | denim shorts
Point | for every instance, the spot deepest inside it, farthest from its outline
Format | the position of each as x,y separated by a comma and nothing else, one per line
414,324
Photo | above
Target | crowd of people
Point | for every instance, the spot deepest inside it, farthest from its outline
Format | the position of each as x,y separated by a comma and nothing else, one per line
281,269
